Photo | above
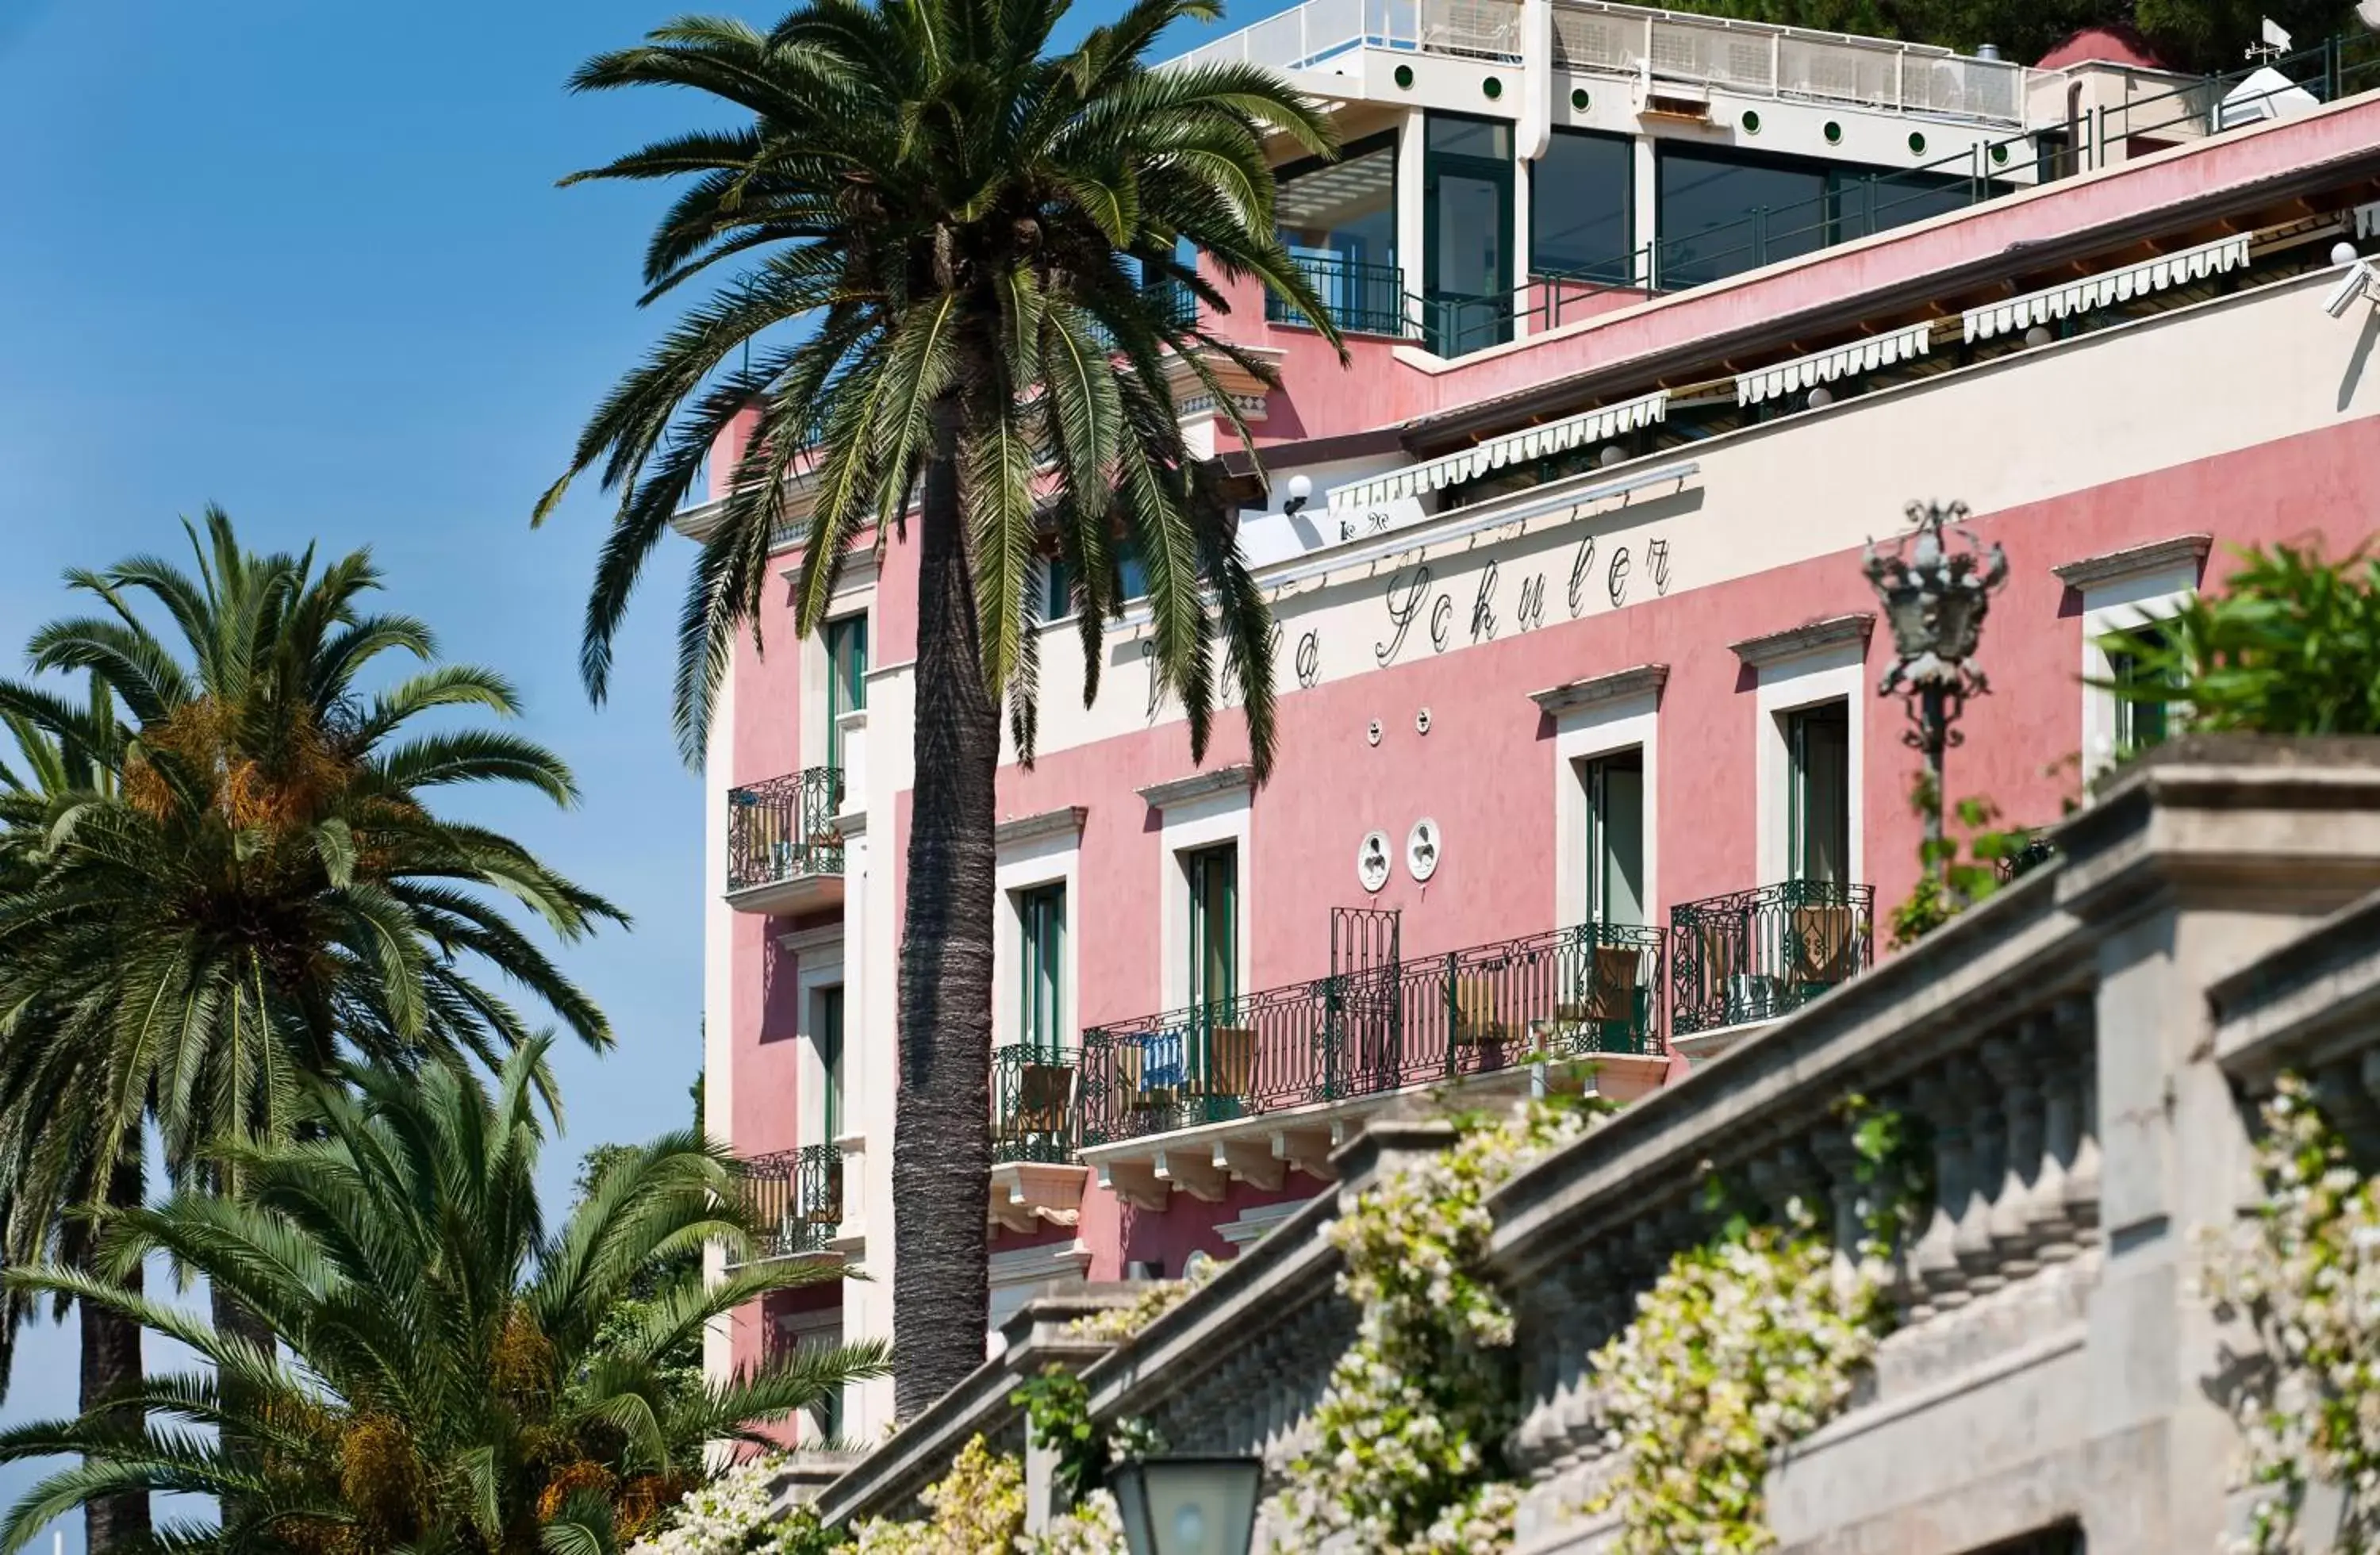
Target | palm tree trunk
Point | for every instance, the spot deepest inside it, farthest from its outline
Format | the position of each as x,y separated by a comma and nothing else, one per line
110,1363
941,1136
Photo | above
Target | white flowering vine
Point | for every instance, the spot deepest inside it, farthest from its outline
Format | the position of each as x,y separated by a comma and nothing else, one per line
733,1514
975,1509
1742,1346
2302,1269
1116,1324
1406,1459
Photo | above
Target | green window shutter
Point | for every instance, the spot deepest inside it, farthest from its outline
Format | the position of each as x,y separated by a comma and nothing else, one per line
847,678
830,1060
1041,920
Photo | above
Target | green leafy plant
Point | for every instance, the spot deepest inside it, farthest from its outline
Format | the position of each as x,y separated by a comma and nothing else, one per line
1947,883
2300,1269
2291,647
1058,1412
1749,1342
1408,1455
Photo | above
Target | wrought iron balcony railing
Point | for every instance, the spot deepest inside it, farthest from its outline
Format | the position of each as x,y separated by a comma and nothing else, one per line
1755,955
784,828
1573,993
1361,299
1033,1113
797,1197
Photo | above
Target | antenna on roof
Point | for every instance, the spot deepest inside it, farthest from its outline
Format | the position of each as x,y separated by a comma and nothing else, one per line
2272,43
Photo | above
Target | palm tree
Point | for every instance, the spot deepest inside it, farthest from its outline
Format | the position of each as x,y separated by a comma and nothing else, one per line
48,1171
443,1387
243,883
970,244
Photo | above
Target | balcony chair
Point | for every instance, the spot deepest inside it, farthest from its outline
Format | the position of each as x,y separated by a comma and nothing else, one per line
1151,1063
1230,1064
826,1209
1045,1097
1475,1022
1610,1016
1824,949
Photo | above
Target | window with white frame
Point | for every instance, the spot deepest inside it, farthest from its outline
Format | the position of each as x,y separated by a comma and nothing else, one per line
2127,592
1615,837
1818,803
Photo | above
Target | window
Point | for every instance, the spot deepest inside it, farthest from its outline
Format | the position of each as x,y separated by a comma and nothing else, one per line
1467,281
847,678
1615,838
1041,922
1214,924
1339,220
2139,725
1582,208
1819,741
1058,580
829,1051
1723,213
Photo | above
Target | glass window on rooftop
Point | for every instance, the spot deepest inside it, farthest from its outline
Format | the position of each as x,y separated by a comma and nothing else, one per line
1580,199
1722,213
1340,222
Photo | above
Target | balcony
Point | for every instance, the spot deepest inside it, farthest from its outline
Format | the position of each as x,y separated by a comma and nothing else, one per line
1758,956
797,1197
1034,1178
1246,1088
784,850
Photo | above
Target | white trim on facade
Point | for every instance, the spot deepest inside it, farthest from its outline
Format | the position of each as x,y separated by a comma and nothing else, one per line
1046,855
2112,285
1018,1272
1220,817
718,996
1834,671
1253,1223
1583,731
2120,590
1843,361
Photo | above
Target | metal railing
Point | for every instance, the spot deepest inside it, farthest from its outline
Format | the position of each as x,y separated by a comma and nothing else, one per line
784,828
1361,298
1033,1112
2339,66
796,1197
1748,57
1573,992
1755,955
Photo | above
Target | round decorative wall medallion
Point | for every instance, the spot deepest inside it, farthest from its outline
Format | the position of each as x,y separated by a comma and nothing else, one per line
1372,862
1578,100
1423,846
1404,77
1751,121
1493,88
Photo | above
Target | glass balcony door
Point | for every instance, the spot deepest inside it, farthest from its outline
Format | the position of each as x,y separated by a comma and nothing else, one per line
1615,838
830,1050
1041,922
1467,194
847,679
1818,741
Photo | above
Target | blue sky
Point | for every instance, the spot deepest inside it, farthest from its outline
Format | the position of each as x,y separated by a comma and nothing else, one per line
306,259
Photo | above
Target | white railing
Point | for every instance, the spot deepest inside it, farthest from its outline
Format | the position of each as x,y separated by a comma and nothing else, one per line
1594,35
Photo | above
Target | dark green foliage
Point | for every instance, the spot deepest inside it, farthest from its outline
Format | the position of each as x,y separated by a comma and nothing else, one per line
2291,646
1947,883
452,1377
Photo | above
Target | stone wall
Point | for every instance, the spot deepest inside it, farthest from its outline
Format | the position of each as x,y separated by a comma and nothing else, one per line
2083,1049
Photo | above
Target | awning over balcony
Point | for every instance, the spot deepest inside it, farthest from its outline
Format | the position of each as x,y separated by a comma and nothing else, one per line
1825,366
2113,285
1534,443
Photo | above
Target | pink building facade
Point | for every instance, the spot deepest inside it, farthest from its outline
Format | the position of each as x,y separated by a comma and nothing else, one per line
1580,750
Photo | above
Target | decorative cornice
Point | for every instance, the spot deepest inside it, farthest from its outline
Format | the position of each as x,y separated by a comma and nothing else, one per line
1833,631
801,941
1200,786
1034,828
1599,690
2136,561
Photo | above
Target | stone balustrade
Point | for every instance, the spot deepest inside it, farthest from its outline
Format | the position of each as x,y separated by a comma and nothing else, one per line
2079,1056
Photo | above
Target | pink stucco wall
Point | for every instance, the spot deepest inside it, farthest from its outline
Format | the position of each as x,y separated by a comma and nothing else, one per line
1484,772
